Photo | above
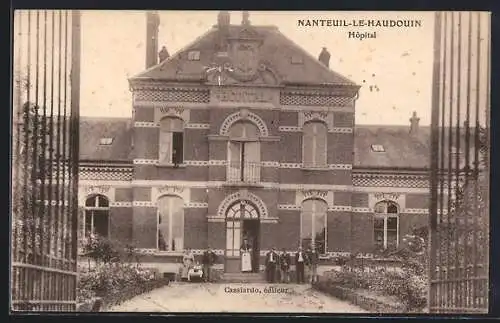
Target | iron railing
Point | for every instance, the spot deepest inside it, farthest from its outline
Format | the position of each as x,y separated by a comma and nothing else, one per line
45,160
243,172
459,209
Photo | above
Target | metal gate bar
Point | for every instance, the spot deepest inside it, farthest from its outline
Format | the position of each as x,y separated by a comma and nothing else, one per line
459,208
45,160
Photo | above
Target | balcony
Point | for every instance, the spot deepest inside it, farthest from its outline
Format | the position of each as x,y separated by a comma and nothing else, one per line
243,173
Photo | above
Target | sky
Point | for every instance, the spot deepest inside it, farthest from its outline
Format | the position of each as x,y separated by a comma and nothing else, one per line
397,64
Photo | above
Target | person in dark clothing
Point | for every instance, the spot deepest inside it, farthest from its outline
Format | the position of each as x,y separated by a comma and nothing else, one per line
272,259
300,261
313,259
285,267
209,258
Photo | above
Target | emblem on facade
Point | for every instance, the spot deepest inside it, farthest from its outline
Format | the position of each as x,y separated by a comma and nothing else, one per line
244,58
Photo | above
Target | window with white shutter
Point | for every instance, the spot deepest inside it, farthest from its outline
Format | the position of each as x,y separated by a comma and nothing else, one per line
313,232
314,145
171,145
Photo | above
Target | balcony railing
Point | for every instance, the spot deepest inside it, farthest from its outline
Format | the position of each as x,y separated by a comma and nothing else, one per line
243,172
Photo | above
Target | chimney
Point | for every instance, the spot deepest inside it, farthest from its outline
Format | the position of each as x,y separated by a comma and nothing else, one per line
223,19
414,124
163,54
324,57
245,21
152,24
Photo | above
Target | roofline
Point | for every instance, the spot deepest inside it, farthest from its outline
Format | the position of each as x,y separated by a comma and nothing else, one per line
175,55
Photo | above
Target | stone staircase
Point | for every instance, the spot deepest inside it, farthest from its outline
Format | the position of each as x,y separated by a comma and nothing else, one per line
244,278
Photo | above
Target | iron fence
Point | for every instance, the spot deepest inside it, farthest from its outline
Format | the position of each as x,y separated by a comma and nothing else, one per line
459,209
45,160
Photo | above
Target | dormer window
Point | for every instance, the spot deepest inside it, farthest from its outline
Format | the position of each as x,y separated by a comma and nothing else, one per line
105,141
194,55
297,59
222,54
378,148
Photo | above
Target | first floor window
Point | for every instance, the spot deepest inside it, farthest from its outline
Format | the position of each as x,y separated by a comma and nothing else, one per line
386,225
171,146
96,221
314,144
313,230
170,223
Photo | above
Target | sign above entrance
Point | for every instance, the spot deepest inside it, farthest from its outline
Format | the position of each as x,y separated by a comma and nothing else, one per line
244,95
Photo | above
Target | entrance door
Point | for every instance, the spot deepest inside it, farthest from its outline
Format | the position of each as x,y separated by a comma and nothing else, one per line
241,217
251,230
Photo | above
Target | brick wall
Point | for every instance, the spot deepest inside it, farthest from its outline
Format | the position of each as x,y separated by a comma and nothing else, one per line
149,136
340,148
144,230
216,235
195,144
123,194
144,114
359,199
120,224
362,232
339,231
343,119
195,228
289,229
417,201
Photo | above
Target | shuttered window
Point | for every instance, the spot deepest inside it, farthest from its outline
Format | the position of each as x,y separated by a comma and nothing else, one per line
171,146
314,145
170,223
313,225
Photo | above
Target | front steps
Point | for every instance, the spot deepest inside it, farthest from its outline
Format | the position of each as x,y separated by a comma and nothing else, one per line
243,278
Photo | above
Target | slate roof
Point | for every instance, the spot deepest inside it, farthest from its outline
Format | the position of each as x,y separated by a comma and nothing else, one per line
401,149
92,129
276,50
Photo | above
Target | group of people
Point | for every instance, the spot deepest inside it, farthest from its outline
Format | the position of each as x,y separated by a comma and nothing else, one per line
278,265
191,268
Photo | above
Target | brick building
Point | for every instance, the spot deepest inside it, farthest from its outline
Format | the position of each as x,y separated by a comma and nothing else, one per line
244,131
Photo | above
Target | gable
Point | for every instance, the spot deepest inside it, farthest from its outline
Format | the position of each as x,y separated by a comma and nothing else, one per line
256,54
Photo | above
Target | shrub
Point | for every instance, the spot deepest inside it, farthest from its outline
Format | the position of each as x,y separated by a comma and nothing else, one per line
110,278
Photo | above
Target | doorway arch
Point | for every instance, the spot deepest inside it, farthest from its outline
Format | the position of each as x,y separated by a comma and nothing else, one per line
242,220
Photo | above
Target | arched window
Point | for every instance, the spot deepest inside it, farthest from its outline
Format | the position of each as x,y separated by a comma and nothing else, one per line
314,144
244,153
386,225
96,220
171,146
313,226
170,223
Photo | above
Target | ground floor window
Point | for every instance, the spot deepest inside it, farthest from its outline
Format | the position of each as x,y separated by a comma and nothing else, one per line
313,225
170,223
96,220
386,225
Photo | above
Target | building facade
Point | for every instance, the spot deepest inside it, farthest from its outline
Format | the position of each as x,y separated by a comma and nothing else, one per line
244,133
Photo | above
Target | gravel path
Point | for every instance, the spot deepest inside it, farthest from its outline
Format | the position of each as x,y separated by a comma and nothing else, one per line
197,297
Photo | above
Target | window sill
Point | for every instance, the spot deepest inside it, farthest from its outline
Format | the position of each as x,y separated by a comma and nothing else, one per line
312,168
170,165
243,184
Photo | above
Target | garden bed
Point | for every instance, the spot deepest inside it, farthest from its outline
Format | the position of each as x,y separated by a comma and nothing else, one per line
370,301
379,291
111,284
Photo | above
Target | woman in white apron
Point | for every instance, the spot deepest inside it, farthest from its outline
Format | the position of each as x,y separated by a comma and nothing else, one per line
246,256
187,263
